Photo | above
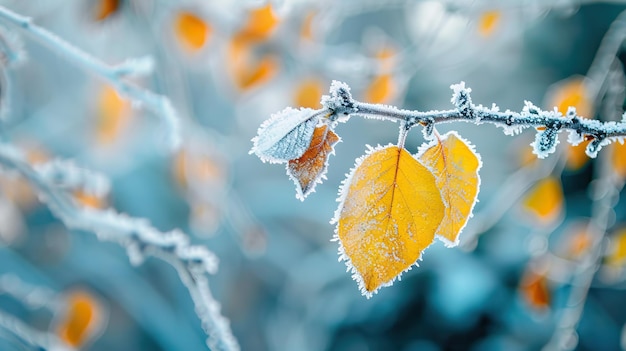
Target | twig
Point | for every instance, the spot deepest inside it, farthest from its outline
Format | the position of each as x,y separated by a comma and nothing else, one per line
41,340
115,75
193,263
340,105
605,194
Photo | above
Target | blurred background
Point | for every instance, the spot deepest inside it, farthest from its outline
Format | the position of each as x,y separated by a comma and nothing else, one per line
540,263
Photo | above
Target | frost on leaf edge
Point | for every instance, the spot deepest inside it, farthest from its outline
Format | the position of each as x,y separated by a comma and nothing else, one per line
311,115
426,146
319,179
342,194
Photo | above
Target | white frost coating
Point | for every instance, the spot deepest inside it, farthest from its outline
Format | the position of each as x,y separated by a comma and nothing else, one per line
12,51
66,175
343,193
137,66
422,149
285,136
460,96
545,142
339,91
574,138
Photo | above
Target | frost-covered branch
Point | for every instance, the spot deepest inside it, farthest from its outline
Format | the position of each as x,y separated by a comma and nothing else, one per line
116,75
193,263
35,338
339,105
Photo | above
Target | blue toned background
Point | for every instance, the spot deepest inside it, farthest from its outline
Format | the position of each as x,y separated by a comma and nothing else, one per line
226,66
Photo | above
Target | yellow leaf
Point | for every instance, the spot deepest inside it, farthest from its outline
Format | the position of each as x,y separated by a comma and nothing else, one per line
260,24
82,319
618,159
488,22
308,93
390,208
191,30
381,90
617,253
544,202
455,165
105,8
309,169
113,112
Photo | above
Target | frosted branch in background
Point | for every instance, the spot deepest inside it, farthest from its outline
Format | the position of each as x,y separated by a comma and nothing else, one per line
193,263
115,75
34,338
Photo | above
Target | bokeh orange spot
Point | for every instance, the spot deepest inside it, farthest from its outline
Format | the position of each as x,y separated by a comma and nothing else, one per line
488,22
578,244
576,156
307,26
381,90
308,93
200,168
260,24
89,200
113,112
617,249
535,290
105,8
191,30
81,320
618,159
544,202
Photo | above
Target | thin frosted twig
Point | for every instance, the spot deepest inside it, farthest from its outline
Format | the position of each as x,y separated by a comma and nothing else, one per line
340,105
602,63
40,340
605,193
115,75
193,263
32,296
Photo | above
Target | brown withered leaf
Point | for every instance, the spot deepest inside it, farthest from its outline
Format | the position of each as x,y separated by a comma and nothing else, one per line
310,168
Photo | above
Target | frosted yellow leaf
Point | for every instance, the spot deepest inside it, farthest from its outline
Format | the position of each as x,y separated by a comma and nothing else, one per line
381,90
390,208
113,112
455,165
105,8
618,159
544,202
260,24
570,92
535,290
311,167
576,156
191,30
83,318
617,249
488,22
308,93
